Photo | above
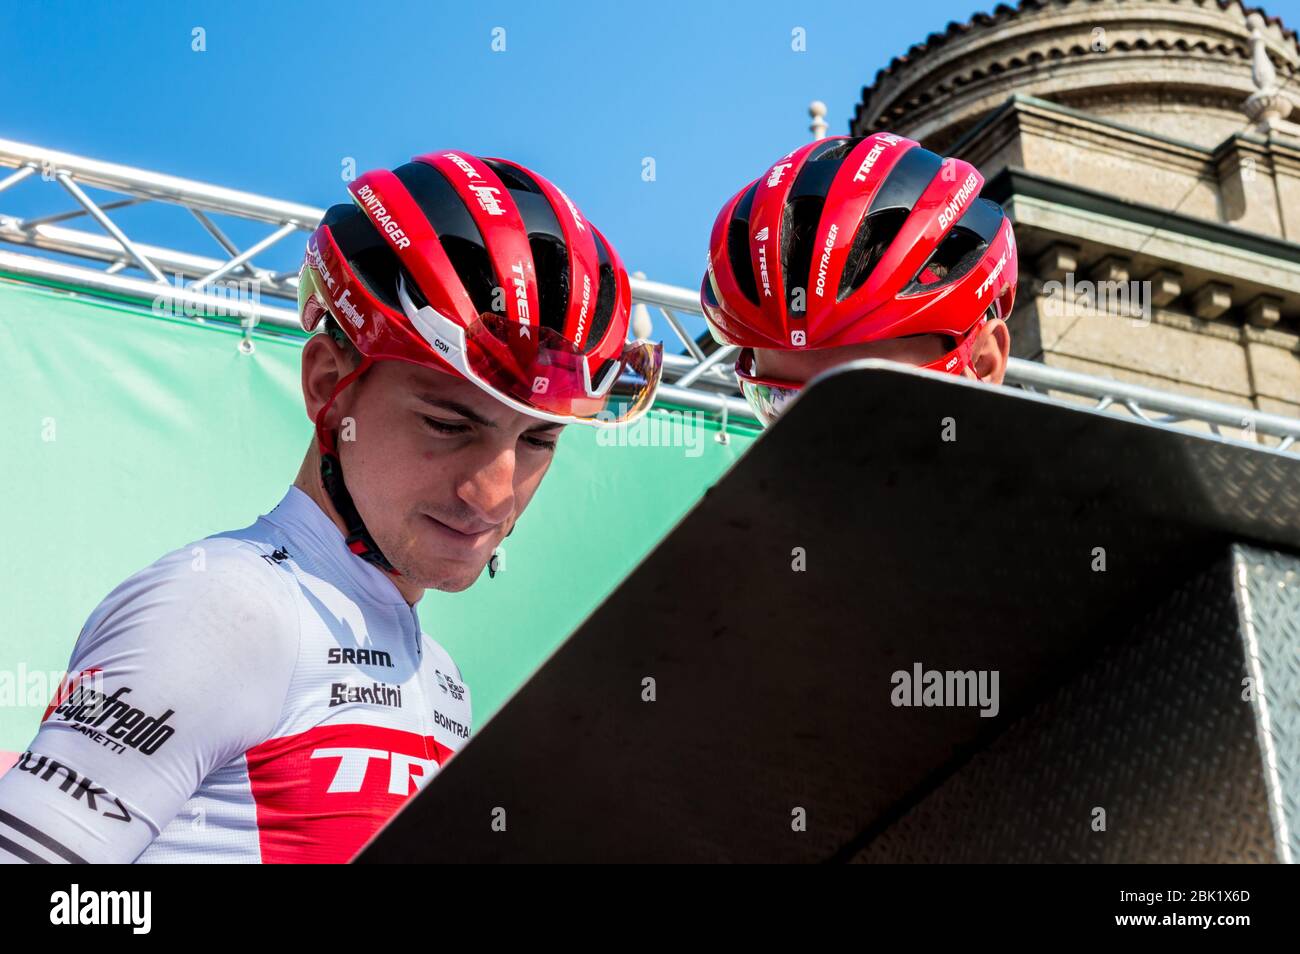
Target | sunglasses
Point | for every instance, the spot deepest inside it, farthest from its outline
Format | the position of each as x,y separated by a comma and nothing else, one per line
769,396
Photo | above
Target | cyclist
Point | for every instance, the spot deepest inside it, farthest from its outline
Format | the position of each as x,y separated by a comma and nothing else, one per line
848,248
267,694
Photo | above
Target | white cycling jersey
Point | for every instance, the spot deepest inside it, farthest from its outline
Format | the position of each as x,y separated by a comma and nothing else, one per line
260,695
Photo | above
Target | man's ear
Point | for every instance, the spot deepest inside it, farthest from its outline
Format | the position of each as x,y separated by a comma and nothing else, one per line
324,364
991,351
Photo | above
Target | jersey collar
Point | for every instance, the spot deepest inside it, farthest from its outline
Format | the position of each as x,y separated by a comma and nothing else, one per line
302,518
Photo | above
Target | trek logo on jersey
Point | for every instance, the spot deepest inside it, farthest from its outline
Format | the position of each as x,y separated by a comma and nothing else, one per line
77,787
449,686
359,657
350,311
488,199
957,204
380,215
776,172
315,260
322,793
377,694
127,726
407,774
825,263
997,270
883,142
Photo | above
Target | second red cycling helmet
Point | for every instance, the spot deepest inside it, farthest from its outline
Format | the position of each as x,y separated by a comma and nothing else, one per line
848,240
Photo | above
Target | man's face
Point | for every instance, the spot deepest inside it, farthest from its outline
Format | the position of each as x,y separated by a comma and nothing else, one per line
438,469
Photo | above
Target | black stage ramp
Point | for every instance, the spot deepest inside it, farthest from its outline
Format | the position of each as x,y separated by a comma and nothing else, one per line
1120,689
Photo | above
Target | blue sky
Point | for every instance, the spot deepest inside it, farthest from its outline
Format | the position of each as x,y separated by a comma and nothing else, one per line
583,92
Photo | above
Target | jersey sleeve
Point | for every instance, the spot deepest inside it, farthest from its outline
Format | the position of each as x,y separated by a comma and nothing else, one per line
180,669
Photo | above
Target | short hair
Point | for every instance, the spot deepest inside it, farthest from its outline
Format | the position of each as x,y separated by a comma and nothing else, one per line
331,327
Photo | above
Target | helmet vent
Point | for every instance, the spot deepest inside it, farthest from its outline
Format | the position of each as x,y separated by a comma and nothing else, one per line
738,245
551,262
474,268
513,178
798,232
959,252
605,294
876,233
833,149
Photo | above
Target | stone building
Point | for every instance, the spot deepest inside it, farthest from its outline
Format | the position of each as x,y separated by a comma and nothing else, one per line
1145,153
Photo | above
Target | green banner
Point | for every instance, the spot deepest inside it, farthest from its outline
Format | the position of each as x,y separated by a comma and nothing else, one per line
128,435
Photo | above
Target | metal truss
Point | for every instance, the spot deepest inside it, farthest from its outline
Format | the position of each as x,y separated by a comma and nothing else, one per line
118,265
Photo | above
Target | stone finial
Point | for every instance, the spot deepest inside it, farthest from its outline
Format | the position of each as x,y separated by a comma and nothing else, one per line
1261,67
818,127
1267,103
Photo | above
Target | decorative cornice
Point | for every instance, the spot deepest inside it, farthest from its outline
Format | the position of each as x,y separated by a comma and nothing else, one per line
1013,181
1003,13
1021,41
1019,102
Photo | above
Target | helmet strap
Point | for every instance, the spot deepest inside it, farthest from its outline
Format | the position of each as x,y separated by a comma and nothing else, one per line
358,538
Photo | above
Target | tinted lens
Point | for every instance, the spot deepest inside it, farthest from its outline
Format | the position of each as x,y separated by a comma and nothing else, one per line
767,400
544,370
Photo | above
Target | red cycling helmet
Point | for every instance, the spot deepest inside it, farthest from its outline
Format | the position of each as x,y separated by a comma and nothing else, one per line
483,269
850,240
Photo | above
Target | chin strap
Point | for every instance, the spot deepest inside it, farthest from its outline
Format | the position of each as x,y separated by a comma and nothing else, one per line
358,539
